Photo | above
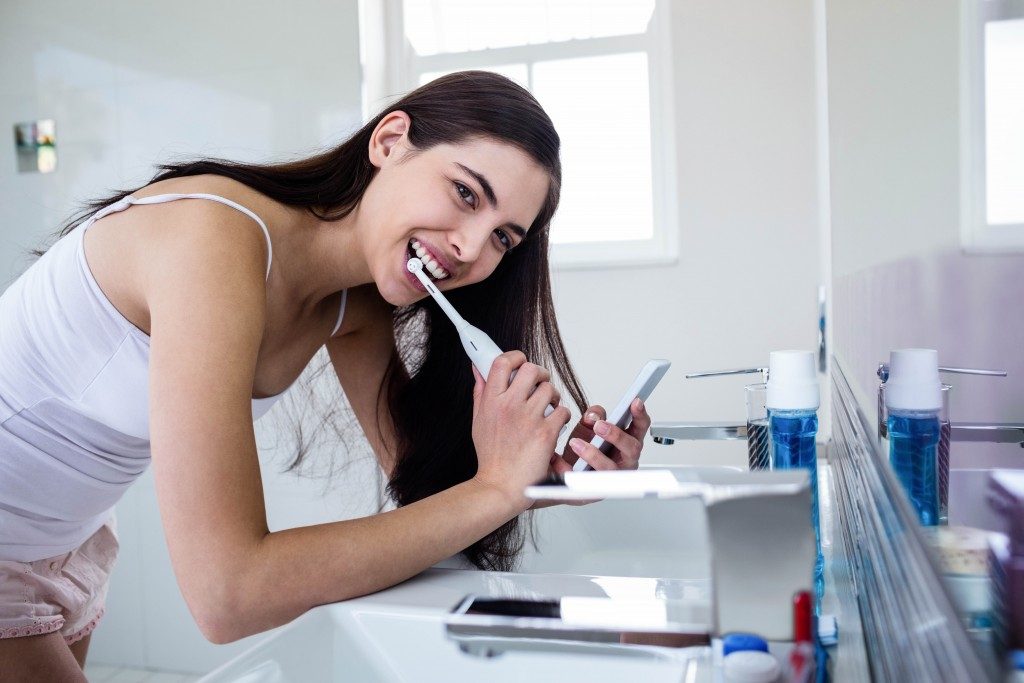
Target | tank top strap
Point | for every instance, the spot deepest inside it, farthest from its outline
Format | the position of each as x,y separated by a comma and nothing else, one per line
341,312
123,204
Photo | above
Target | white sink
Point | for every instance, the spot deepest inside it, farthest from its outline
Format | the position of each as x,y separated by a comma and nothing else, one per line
398,635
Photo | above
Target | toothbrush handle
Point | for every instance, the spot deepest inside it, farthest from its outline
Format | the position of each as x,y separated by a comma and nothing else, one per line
482,351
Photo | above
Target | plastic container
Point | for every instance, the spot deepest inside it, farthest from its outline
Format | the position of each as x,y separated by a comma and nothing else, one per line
792,400
738,642
751,666
913,402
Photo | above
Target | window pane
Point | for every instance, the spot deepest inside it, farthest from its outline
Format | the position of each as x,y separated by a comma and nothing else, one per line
435,26
601,109
516,72
1004,121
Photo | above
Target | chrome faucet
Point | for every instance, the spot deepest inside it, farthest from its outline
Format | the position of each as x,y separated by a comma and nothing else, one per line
668,432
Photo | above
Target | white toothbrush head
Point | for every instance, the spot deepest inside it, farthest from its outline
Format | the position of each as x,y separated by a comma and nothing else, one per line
415,267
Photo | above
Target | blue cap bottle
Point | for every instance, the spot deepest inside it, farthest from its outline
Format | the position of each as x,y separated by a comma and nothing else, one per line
792,401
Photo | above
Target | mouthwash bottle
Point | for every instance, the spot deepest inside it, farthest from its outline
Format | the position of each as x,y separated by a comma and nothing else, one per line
793,400
913,401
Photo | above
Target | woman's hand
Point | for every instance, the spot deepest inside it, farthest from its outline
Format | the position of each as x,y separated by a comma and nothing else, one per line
513,439
626,444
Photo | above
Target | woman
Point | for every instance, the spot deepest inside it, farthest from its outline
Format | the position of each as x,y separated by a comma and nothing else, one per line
160,326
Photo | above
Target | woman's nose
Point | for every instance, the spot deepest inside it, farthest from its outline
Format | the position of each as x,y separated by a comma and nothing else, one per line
468,243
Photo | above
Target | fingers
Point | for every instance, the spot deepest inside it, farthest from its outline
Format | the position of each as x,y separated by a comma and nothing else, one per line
627,446
641,420
478,389
558,419
593,457
544,394
500,374
559,465
528,376
592,415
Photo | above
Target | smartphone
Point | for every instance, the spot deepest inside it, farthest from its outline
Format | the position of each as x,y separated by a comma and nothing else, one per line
641,388
571,623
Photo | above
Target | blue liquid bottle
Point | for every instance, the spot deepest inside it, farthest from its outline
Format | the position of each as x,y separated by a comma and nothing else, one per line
793,399
913,401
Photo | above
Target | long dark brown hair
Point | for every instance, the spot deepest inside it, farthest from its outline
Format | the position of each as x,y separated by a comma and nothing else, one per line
431,398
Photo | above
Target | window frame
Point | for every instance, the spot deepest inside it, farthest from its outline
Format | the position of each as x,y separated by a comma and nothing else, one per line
396,69
977,235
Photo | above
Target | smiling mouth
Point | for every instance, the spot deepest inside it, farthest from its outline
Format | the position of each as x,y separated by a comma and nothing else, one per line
432,267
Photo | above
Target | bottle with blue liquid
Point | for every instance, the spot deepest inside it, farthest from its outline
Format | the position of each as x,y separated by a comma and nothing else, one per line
913,402
792,402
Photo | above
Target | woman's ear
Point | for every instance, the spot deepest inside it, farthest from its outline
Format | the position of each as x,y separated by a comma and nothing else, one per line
390,134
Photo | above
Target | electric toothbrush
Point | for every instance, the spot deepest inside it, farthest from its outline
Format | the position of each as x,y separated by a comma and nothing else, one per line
481,349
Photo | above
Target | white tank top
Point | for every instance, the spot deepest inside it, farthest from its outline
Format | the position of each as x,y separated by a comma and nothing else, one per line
74,397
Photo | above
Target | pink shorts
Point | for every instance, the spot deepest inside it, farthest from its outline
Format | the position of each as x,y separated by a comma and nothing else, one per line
66,593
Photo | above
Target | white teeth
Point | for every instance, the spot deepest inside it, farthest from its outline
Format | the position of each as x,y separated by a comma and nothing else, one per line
431,265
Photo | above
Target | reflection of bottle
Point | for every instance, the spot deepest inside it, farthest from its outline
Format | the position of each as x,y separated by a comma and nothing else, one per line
793,399
913,401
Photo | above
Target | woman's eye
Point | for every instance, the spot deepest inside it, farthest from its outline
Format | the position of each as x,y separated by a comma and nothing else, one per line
466,194
505,240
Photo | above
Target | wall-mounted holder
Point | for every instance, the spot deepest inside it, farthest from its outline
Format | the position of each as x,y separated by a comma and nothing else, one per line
35,146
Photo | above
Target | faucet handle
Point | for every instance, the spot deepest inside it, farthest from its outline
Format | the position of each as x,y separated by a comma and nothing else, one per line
720,373
974,371
883,372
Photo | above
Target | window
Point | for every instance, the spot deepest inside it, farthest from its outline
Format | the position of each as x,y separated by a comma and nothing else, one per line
600,70
992,125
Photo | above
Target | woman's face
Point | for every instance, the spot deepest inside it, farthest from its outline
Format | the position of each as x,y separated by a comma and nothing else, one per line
459,208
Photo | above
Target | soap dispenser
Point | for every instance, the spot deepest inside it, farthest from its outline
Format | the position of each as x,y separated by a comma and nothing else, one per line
913,403
793,397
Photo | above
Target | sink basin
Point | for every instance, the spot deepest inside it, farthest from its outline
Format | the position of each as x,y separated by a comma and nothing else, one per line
398,635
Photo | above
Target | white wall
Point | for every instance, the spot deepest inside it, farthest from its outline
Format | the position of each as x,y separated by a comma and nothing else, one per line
746,282
130,83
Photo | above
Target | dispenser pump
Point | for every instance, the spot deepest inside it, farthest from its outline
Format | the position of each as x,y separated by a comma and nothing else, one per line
793,381
913,382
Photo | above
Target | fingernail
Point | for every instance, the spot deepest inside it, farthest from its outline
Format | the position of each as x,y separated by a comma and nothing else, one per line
576,445
638,403
592,418
601,427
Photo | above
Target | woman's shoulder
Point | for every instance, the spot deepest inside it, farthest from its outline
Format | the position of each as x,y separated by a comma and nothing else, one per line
219,186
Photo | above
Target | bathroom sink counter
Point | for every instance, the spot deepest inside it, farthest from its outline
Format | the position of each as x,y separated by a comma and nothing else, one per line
398,635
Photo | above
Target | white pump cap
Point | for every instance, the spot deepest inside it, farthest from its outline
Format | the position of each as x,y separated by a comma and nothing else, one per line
913,382
792,381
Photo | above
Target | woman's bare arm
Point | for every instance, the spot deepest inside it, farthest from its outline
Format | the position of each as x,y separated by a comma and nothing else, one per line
205,291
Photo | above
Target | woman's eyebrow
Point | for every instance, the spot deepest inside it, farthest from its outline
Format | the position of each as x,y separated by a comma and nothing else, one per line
488,190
